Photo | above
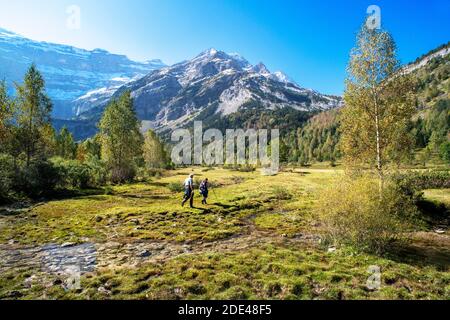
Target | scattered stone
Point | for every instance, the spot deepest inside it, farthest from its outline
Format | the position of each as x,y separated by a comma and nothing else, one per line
178,291
103,290
145,254
135,221
67,244
439,231
15,294
12,241
331,249
28,282
284,235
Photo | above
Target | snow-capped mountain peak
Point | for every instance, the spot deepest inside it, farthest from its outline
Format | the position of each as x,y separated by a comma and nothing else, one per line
69,72
282,77
212,84
261,69
212,51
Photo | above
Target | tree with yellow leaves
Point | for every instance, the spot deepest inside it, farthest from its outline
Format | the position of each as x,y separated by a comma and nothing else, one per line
379,104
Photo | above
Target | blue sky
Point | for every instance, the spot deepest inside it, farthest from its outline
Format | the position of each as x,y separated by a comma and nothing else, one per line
308,40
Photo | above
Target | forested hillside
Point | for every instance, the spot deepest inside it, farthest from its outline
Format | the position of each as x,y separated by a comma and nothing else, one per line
318,139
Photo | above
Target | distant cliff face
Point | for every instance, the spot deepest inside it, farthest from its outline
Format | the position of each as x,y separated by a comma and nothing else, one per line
69,72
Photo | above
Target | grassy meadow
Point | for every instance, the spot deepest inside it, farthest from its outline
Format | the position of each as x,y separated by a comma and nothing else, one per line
258,238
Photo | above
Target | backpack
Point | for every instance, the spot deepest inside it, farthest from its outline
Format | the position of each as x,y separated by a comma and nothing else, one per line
203,187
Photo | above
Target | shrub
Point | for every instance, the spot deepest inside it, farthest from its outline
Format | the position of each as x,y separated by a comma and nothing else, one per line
124,174
242,168
7,173
354,213
98,174
108,190
175,187
281,193
237,179
40,178
73,174
413,182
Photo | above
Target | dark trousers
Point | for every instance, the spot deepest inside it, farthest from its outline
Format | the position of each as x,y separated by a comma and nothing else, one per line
188,195
204,193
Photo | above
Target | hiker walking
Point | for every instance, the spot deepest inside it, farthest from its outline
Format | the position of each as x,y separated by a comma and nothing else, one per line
189,191
204,190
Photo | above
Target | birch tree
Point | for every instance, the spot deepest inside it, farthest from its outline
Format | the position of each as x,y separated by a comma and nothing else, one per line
379,104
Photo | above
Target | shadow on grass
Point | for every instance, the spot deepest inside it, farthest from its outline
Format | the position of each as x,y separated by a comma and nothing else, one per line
202,210
427,248
64,194
20,206
222,205
421,254
144,196
158,184
435,214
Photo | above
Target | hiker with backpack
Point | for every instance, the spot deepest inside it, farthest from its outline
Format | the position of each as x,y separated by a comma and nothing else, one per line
204,190
189,191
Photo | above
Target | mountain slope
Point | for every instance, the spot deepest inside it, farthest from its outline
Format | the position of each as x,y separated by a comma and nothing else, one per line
69,72
213,84
319,138
432,72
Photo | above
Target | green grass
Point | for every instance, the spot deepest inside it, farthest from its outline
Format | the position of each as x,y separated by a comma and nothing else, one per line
264,272
159,213
274,210
438,195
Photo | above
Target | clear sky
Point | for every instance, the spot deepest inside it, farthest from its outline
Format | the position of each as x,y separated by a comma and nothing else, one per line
308,40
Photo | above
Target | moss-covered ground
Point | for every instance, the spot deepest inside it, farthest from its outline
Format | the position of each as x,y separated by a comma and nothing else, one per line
256,239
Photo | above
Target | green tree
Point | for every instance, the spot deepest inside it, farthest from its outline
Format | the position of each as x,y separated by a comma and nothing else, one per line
121,140
445,151
6,118
155,155
33,114
89,148
425,156
48,140
378,104
65,144
437,138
